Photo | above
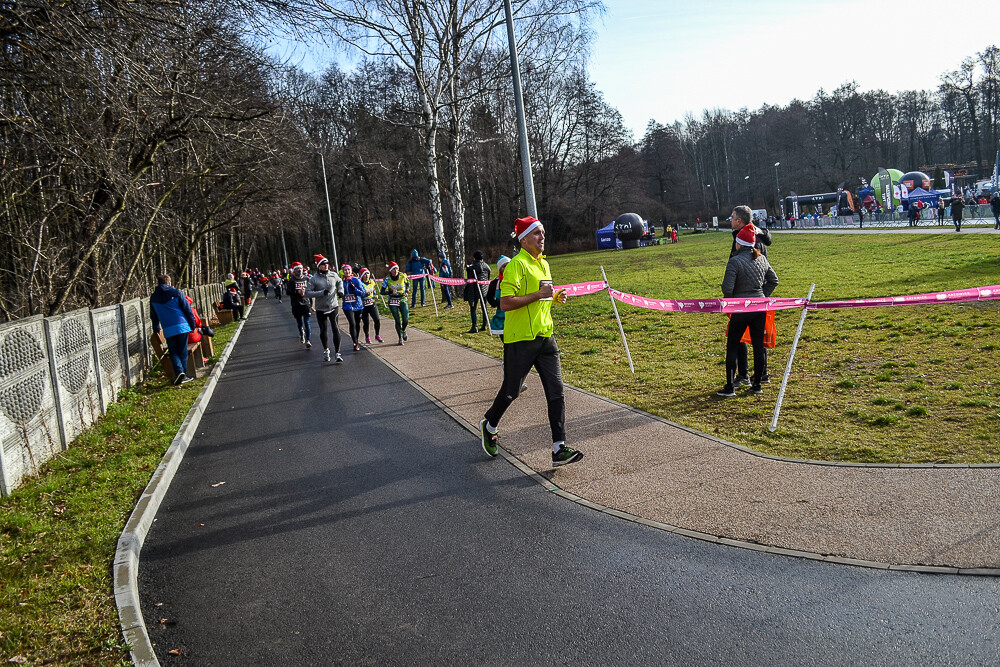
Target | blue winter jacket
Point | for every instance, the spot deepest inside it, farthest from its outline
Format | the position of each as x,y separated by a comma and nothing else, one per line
416,264
169,308
354,293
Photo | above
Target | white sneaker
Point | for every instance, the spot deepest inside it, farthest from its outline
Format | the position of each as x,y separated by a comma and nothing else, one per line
302,337
326,355
309,344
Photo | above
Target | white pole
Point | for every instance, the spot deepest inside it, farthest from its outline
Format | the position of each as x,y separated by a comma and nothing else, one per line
788,366
430,284
283,248
620,327
329,213
486,314
522,132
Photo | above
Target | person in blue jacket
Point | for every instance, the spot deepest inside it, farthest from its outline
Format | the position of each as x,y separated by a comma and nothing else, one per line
444,270
354,294
169,309
416,266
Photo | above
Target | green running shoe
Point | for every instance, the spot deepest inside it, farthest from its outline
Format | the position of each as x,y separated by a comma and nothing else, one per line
565,456
489,439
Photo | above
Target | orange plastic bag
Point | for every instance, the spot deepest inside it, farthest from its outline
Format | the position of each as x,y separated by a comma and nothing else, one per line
770,332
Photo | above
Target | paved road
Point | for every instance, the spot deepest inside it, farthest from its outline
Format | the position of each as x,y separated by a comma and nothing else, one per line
358,524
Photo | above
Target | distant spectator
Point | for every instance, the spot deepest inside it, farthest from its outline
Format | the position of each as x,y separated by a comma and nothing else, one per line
445,272
247,287
940,211
232,300
748,274
475,292
995,205
956,212
415,267
169,308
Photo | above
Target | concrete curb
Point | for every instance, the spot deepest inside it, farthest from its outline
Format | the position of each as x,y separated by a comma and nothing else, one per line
698,535
126,566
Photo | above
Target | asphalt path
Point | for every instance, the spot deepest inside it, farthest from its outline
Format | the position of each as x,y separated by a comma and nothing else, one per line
330,515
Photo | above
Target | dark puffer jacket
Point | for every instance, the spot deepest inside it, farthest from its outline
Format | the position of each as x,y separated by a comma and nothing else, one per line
478,270
748,277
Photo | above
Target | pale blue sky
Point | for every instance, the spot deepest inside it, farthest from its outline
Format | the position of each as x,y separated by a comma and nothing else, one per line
662,58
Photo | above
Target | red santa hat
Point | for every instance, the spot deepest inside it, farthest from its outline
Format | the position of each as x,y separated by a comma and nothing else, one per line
747,236
363,271
296,265
319,259
392,265
523,226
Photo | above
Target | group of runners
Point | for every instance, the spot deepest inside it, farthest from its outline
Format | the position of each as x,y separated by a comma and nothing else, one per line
353,290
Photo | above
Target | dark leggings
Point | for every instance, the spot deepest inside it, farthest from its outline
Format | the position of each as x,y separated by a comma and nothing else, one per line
354,324
401,314
737,325
371,311
518,358
321,320
474,310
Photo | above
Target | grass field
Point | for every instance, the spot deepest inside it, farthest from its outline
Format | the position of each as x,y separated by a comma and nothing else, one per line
909,384
59,531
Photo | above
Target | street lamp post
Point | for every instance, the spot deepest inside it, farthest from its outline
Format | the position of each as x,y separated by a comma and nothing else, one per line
777,189
329,213
522,131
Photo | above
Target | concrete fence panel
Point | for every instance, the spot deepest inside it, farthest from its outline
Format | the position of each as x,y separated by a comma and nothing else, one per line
74,373
108,332
29,421
136,358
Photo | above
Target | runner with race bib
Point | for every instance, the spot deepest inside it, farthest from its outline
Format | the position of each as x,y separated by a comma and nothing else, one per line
370,305
354,293
396,287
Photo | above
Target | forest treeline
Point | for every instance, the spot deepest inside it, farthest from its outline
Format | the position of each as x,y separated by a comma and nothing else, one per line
156,136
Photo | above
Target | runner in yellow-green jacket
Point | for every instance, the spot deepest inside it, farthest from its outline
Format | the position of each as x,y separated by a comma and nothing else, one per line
396,287
526,296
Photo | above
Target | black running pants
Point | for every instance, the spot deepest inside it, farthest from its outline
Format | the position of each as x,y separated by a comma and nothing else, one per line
354,324
518,358
331,317
738,324
372,312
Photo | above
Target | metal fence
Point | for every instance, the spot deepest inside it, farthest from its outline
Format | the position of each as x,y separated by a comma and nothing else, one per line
976,214
59,374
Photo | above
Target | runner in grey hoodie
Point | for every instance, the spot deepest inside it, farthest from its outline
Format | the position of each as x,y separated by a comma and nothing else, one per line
326,286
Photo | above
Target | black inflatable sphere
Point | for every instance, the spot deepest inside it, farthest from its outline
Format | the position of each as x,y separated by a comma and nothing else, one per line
915,179
629,229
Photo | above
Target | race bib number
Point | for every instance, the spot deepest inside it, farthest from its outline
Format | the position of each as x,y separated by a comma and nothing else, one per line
368,301
394,300
349,298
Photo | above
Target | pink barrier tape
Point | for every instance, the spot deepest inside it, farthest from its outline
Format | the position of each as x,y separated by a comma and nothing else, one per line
746,305
582,289
952,296
573,289
449,281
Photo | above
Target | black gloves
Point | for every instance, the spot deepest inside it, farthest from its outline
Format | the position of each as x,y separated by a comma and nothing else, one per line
326,292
